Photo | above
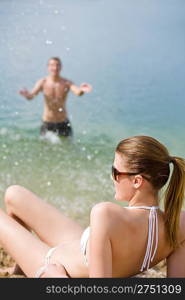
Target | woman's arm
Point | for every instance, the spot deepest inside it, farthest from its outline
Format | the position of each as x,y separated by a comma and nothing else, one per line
176,260
100,251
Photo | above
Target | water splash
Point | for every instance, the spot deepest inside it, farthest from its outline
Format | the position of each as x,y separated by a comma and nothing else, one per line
51,137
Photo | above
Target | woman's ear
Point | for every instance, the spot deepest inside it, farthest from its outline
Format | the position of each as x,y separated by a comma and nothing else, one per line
137,181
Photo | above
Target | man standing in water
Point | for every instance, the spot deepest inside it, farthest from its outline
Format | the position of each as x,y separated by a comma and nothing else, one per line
55,89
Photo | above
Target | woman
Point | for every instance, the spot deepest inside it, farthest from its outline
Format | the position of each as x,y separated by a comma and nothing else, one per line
121,241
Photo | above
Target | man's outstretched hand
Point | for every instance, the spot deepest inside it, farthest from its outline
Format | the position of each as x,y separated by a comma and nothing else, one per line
24,92
86,87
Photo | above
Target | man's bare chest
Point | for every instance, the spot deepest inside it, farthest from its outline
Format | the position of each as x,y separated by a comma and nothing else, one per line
56,90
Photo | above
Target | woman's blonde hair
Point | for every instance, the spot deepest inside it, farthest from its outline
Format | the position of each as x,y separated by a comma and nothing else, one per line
145,155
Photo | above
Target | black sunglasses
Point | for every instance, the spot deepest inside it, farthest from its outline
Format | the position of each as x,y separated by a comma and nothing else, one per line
116,173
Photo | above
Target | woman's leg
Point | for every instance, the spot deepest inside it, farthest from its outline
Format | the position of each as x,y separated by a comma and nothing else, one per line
45,220
24,248
28,251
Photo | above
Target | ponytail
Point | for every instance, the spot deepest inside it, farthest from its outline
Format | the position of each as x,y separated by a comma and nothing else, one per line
174,200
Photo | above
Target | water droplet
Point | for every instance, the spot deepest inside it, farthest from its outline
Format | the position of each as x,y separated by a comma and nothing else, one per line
89,157
16,163
83,148
60,109
48,183
48,42
3,131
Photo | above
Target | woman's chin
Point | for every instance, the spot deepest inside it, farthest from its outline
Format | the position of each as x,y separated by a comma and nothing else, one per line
119,199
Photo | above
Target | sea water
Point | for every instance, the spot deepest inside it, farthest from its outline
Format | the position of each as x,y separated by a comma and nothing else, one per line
132,53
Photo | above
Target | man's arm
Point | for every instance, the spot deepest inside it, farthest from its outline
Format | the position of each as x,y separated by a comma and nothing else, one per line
36,89
83,88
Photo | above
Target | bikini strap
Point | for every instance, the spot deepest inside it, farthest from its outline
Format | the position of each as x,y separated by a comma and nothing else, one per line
143,207
152,234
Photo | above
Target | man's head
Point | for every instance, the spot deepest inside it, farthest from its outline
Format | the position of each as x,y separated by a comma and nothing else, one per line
54,66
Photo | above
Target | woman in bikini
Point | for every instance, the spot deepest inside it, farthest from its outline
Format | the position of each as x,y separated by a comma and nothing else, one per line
120,241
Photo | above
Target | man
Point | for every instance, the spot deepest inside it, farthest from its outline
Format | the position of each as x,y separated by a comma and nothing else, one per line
55,89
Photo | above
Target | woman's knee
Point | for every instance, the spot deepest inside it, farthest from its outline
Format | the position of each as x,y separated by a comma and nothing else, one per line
13,193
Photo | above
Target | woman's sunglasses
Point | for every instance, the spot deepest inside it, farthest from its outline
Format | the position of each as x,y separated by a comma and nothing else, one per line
116,173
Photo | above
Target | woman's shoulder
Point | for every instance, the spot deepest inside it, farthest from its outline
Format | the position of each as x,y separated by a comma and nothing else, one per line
109,210
107,207
108,215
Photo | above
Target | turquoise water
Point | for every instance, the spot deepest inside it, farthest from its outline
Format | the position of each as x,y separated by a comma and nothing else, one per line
133,54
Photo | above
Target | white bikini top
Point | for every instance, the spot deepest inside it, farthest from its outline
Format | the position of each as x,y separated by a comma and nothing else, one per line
152,233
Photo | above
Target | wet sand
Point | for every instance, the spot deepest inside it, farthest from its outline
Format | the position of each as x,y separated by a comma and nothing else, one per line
159,271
